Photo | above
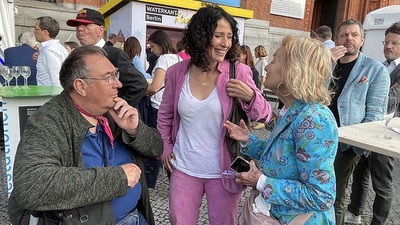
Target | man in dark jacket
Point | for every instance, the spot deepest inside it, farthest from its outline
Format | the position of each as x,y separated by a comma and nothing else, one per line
22,56
84,147
112,39
89,31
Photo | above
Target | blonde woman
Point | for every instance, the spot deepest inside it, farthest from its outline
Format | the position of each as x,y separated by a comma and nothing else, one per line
260,65
296,174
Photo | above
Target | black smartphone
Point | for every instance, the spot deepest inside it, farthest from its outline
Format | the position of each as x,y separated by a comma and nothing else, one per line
240,165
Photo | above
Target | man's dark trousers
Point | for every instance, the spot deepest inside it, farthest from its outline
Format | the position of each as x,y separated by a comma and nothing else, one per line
345,162
378,168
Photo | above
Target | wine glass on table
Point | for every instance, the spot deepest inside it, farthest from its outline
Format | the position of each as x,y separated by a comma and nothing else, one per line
16,71
25,72
8,76
388,115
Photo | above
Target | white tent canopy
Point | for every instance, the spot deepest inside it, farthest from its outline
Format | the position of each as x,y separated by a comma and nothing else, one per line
375,25
7,29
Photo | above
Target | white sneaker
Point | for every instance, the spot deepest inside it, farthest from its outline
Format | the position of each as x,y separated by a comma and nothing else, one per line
351,218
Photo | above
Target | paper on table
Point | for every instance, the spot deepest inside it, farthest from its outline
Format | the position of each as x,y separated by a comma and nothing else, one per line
395,129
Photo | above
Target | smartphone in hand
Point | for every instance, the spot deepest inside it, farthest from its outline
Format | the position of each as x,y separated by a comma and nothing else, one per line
240,165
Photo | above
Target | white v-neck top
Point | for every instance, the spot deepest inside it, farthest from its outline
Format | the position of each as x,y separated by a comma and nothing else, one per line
197,147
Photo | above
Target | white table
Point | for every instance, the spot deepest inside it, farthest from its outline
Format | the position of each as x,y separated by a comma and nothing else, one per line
365,135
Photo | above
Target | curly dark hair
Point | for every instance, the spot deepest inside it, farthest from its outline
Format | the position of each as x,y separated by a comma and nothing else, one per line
199,33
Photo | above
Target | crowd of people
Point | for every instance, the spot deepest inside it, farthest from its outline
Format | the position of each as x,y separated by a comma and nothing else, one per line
96,148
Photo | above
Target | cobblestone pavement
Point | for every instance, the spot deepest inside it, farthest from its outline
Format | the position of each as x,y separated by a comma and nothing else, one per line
159,198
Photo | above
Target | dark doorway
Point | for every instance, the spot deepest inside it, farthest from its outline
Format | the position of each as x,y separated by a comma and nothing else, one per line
325,13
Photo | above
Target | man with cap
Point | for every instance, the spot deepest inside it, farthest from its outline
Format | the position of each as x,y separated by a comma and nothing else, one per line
89,25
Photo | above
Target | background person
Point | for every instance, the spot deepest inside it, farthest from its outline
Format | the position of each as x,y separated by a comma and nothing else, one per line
151,59
70,46
89,25
51,53
260,53
247,59
392,54
377,167
119,45
196,101
324,35
133,49
161,46
361,92
22,56
181,50
112,39
296,174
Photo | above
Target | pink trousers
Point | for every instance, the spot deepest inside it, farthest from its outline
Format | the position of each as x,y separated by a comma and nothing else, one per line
186,193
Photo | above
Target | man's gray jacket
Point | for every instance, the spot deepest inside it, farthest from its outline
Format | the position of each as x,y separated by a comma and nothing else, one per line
395,91
45,177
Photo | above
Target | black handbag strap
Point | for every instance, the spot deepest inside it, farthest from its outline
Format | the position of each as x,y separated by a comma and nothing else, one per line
105,151
232,70
232,75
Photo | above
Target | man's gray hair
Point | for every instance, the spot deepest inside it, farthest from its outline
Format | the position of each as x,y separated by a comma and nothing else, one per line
111,36
75,66
350,22
29,39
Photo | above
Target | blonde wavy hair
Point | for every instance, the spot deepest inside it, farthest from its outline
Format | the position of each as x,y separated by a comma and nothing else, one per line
308,69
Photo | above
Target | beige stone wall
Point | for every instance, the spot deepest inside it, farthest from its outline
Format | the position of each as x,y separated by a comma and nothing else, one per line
259,32
29,10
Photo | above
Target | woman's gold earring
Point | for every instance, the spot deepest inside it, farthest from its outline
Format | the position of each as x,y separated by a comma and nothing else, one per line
277,88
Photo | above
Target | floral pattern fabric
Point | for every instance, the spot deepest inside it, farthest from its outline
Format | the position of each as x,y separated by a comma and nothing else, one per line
298,161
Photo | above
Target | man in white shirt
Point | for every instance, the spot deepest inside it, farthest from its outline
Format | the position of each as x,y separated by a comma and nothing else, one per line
325,35
51,53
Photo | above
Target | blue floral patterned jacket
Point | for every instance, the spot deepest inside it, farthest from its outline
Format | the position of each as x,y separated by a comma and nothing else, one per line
298,162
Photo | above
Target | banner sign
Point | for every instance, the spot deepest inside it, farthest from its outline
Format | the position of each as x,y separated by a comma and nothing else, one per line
289,8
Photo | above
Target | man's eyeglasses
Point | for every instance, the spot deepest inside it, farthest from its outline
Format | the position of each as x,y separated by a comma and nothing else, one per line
110,79
394,43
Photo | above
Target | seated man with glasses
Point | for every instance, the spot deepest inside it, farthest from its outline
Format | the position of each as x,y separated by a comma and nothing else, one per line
84,147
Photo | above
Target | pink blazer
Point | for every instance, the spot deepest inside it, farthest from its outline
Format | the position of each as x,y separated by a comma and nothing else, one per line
168,117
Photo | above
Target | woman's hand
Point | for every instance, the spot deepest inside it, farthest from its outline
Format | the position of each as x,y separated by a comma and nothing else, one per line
167,162
239,133
250,178
238,89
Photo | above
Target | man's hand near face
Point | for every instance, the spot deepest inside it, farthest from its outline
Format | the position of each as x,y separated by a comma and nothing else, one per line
125,116
338,52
